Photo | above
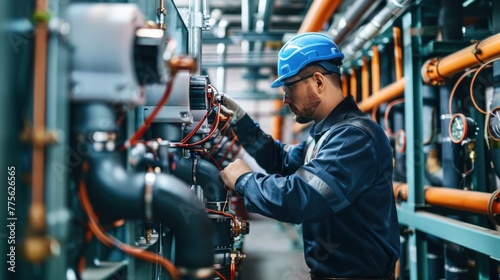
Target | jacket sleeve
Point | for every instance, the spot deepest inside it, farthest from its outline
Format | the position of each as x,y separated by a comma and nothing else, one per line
274,156
344,167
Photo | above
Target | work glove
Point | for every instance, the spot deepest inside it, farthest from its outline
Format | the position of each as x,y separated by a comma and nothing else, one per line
230,107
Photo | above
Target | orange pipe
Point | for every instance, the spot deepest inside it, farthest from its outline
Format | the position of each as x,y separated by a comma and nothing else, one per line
344,85
375,70
398,53
389,92
375,77
37,209
436,70
318,14
365,80
470,201
354,84
277,121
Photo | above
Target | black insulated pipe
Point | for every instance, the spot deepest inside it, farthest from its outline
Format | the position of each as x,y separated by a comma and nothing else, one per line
197,171
119,194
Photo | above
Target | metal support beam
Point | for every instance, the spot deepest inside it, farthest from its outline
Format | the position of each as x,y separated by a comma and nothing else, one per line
476,238
413,126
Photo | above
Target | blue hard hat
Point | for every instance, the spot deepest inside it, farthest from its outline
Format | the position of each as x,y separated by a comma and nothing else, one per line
304,49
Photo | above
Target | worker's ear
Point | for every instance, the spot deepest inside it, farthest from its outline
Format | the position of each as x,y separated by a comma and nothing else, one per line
320,81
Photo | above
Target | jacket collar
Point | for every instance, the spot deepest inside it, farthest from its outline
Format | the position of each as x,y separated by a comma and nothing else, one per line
339,113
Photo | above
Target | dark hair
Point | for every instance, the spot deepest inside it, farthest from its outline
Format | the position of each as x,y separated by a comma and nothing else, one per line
315,67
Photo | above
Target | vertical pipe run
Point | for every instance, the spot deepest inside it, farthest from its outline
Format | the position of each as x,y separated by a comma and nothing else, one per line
365,80
345,86
195,26
375,66
398,53
354,84
375,70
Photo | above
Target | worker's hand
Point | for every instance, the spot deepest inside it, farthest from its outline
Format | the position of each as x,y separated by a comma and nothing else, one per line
233,171
230,106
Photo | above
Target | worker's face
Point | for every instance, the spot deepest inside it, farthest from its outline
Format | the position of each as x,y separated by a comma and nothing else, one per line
301,98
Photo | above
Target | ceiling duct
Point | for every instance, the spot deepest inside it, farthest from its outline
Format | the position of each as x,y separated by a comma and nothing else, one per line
367,32
348,21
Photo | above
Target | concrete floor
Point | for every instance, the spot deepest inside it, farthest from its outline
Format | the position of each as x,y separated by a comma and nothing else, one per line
271,252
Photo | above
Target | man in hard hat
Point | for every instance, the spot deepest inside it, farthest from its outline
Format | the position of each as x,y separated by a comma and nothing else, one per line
337,183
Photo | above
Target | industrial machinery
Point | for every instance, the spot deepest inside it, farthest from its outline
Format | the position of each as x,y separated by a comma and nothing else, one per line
112,136
149,205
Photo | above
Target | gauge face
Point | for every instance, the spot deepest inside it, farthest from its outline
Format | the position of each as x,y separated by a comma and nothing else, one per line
458,128
400,139
494,124
461,128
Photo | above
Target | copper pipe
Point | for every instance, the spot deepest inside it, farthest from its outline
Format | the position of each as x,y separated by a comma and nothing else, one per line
277,121
317,15
375,77
344,85
389,92
375,70
37,209
398,53
37,245
436,71
354,84
464,200
365,80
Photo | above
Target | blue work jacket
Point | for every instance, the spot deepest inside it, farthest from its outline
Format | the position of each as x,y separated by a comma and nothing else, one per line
343,197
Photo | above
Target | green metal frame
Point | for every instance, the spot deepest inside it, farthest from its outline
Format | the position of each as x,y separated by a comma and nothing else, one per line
474,234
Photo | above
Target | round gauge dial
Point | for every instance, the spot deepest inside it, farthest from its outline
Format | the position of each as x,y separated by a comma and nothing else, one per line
400,138
494,124
461,128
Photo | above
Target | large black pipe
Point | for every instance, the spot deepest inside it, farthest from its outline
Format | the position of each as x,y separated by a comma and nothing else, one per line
118,194
197,171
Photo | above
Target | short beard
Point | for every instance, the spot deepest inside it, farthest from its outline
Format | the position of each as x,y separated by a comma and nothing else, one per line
307,113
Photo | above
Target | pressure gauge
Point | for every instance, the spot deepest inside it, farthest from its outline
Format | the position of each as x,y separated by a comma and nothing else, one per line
400,138
461,128
494,124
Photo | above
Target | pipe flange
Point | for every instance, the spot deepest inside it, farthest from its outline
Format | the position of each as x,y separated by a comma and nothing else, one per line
430,72
493,204
149,182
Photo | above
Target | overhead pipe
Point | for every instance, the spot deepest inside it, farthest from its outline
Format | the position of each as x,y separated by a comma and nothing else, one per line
318,14
436,71
463,200
117,193
371,29
389,92
350,20
196,24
